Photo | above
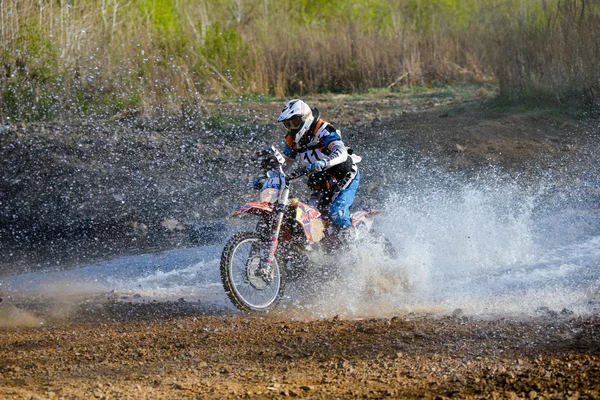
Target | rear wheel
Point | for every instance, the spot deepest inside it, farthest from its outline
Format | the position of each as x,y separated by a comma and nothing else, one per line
250,286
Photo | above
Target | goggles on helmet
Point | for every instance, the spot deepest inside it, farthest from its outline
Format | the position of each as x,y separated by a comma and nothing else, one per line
293,123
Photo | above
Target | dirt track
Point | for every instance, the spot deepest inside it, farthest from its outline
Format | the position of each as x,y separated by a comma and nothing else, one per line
166,351
105,349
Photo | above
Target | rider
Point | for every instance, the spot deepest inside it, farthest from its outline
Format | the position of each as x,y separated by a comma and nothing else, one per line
333,173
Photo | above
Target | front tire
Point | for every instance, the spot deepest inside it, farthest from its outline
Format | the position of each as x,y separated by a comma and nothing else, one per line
246,285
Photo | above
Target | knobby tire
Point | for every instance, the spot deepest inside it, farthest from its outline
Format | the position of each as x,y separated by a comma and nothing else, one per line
230,287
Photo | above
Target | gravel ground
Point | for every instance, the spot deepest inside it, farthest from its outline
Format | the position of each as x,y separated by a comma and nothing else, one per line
163,351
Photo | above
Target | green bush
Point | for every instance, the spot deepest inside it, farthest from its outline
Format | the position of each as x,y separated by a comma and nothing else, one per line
31,85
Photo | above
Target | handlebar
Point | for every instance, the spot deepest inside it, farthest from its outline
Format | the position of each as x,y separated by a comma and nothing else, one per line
300,172
259,182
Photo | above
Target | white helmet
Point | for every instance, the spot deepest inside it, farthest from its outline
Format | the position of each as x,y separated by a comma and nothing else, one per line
297,117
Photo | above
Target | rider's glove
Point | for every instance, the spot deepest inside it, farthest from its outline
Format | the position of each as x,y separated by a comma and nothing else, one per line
316,167
256,184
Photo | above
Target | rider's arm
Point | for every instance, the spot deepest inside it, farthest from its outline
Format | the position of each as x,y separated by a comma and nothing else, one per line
338,154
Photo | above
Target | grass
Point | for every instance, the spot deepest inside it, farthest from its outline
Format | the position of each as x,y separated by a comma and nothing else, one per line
103,56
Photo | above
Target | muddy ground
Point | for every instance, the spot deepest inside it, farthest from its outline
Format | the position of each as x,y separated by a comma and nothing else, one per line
167,351
77,191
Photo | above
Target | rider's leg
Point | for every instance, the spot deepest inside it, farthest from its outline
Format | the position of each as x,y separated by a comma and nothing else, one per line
339,212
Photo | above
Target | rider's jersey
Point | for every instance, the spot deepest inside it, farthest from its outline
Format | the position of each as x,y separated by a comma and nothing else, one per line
323,142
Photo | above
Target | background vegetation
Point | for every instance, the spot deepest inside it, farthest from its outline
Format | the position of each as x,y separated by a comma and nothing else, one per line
76,57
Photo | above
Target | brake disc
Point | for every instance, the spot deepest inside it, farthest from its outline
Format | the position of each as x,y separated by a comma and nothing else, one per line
258,277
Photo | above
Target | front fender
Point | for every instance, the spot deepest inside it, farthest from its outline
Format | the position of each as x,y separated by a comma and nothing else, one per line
259,208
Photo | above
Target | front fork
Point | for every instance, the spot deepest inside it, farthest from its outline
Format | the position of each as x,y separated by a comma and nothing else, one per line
278,213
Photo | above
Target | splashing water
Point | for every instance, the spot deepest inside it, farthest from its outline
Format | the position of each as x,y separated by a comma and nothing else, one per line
486,247
489,247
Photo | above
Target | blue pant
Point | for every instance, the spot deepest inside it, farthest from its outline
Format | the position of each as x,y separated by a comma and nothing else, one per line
339,210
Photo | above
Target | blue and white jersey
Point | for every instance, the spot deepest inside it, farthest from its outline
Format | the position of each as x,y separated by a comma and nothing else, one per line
323,143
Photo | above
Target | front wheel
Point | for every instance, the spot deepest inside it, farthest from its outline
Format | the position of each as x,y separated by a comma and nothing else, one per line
250,286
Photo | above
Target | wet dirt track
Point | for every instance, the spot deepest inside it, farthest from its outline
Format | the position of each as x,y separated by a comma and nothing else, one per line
171,350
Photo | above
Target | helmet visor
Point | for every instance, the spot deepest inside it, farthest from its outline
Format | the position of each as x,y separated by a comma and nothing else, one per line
293,123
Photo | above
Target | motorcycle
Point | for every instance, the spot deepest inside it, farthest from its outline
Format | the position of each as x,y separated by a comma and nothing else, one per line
255,264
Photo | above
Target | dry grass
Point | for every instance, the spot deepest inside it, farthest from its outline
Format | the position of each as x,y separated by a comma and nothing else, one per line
64,57
554,55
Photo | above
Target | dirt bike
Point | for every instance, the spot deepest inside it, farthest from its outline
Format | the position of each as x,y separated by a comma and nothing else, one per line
255,264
